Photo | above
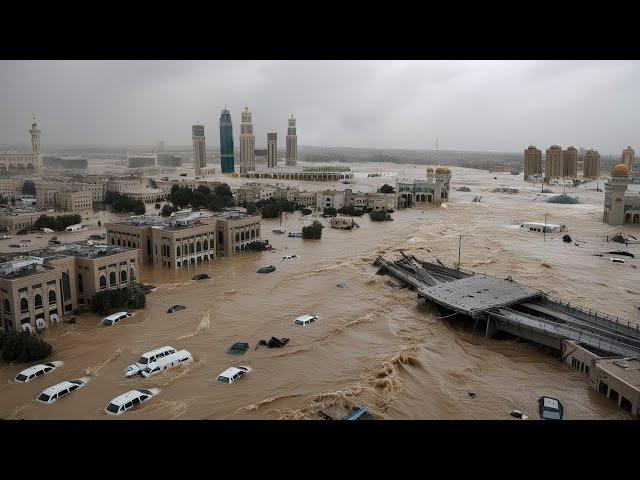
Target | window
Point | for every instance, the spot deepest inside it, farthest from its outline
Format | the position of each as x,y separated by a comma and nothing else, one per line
80,285
123,275
52,297
178,250
7,306
128,405
136,401
103,281
24,305
38,300
112,278
132,273
66,287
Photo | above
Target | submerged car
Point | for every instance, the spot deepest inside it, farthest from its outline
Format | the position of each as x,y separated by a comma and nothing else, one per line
114,318
304,320
278,231
30,373
287,258
53,393
238,348
147,358
295,234
166,362
233,374
616,260
175,308
129,400
201,276
267,269
519,414
550,408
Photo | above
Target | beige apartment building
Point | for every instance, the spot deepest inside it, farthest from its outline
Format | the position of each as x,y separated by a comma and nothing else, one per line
553,163
252,193
186,239
532,162
149,195
76,201
56,281
628,157
10,187
591,167
570,162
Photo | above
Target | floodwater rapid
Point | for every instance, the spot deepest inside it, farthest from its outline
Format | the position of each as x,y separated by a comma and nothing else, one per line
374,344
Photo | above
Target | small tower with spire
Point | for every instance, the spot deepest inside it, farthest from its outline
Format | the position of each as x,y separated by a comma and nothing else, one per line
35,136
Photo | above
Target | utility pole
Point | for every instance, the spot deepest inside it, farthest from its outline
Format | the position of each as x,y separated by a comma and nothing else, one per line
459,248
544,230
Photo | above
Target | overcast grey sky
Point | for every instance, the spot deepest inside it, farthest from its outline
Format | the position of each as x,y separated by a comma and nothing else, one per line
468,105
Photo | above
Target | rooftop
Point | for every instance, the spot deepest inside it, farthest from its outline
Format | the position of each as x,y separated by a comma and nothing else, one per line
625,369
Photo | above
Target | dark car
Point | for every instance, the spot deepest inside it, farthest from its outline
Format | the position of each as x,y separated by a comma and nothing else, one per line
176,308
267,269
201,276
238,348
550,408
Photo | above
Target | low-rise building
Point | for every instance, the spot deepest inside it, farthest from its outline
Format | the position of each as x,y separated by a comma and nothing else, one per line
435,189
141,161
343,223
55,281
75,202
147,195
544,227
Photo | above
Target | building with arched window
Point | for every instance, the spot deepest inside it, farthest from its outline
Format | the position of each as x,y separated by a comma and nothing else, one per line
56,281
24,163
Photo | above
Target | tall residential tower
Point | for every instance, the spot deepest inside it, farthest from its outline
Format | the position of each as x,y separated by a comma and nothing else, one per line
227,164
532,162
199,149
553,163
570,162
628,157
247,143
292,143
272,150
591,166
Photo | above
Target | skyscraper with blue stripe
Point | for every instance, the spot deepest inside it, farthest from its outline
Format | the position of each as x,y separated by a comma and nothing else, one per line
226,143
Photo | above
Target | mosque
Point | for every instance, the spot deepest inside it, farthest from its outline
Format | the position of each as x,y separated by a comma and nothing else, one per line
26,163
434,189
620,206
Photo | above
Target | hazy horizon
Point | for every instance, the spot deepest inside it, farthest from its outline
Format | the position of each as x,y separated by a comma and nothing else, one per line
474,106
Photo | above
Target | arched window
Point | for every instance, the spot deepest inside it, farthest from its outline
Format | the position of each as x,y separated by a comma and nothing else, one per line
80,285
103,281
132,273
118,241
191,248
128,243
113,241
38,300
123,275
253,233
178,250
198,246
112,278
7,305
242,236
24,305
52,297
237,237
205,244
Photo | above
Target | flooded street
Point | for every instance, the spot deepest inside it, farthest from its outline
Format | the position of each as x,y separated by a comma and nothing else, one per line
373,344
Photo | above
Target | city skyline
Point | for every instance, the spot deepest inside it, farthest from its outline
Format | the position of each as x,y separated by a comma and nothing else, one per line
468,105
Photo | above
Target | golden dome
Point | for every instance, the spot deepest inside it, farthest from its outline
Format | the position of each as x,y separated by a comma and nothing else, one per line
429,169
620,169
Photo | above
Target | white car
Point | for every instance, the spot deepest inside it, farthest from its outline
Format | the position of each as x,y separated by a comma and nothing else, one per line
147,358
114,318
166,362
287,258
305,320
616,260
51,394
30,373
128,400
233,374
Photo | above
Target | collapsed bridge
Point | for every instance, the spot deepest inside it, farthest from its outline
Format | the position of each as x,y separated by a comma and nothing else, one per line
505,305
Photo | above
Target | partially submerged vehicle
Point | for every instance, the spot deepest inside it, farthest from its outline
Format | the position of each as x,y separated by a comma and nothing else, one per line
550,408
233,374
278,231
129,400
147,358
295,234
238,348
273,343
114,318
266,269
53,393
200,276
166,362
304,320
519,414
30,373
175,308
616,260
341,285
287,258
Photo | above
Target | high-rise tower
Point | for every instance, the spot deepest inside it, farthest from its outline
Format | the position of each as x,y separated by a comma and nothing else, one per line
292,143
227,164
532,162
247,143
199,149
553,163
35,136
570,162
591,166
272,150
628,158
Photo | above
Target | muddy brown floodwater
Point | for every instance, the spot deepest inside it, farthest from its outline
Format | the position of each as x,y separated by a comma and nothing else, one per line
374,344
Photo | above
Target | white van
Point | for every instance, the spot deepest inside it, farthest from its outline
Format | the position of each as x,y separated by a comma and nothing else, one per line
147,358
233,374
30,373
304,320
74,228
128,400
114,318
166,362
51,394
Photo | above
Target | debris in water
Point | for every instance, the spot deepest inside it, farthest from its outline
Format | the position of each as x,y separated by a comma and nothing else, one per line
519,414
622,252
563,198
463,189
341,285
566,238
273,343
471,394
546,265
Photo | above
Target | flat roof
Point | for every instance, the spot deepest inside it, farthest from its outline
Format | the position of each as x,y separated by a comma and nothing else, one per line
625,369
477,293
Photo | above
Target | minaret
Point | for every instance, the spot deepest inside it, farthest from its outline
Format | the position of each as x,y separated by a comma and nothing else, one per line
614,190
272,150
226,143
247,143
35,136
292,143
199,149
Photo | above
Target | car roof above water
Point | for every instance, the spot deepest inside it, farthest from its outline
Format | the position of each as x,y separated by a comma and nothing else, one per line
116,315
36,368
231,371
130,395
52,390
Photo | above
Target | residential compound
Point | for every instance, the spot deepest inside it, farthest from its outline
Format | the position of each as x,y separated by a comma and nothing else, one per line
434,189
620,206
560,163
42,287
186,238
324,173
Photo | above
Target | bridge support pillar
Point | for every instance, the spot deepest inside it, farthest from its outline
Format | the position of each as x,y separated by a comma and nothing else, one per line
492,328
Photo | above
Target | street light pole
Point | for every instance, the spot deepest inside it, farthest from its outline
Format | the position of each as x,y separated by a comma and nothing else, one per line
459,248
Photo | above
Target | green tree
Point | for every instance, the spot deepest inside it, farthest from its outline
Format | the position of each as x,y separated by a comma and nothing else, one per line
131,296
167,210
379,215
23,347
252,209
330,211
386,189
313,231
28,187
